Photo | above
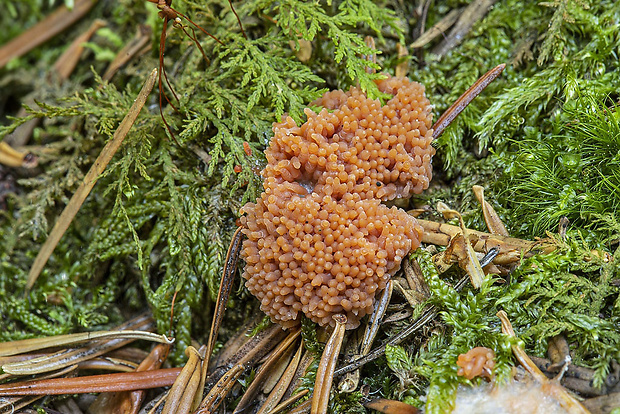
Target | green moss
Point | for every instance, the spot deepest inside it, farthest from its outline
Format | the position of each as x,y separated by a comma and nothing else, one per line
543,139
572,173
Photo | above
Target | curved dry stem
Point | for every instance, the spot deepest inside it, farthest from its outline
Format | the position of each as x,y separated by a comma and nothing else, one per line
278,391
181,396
460,104
230,267
220,390
549,387
265,369
325,373
36,344
238,19
126,381
491,218
91,177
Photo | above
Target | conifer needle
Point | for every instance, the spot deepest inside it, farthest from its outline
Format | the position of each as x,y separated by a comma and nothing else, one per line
67,215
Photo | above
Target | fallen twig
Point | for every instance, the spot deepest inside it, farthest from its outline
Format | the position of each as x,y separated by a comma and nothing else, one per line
67,215
49,27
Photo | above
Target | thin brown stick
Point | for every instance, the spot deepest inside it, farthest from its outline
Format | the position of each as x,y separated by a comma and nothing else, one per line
13,404
196,42
67,215
36,344
49,27
472,13
125,381
136,46
238,19
460,104
214,398
292,399
228,275
68,60
325,372
129,402
162,70
164,75
439,28
264,371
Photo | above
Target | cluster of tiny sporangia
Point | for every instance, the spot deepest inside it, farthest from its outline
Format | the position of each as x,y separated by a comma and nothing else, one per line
318,239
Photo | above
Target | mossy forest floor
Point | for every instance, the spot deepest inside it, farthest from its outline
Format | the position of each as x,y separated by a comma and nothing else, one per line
543,140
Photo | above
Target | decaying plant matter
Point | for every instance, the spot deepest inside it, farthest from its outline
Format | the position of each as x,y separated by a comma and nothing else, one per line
154,231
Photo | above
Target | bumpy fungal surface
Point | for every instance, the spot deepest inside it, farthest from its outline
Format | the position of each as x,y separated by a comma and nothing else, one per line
478,361
319,240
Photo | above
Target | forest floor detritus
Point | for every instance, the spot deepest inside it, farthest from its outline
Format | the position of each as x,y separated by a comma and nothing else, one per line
542,140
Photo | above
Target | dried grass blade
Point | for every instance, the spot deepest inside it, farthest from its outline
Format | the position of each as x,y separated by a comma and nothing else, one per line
49,27
10,157
257,346
237,341
402,68
140,43
67,215
181,396
35,344
325,372
349,382
215,397
14,404
230,267
306,360
302,408
63,358
68,60
109,364
491,218
289,401
276,395
126,381
376,317
437,30
472,13
550,387
460,104
264,370
63,67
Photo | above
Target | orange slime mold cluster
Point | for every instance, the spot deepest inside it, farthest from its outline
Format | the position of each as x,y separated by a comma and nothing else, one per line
319,240
477,362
